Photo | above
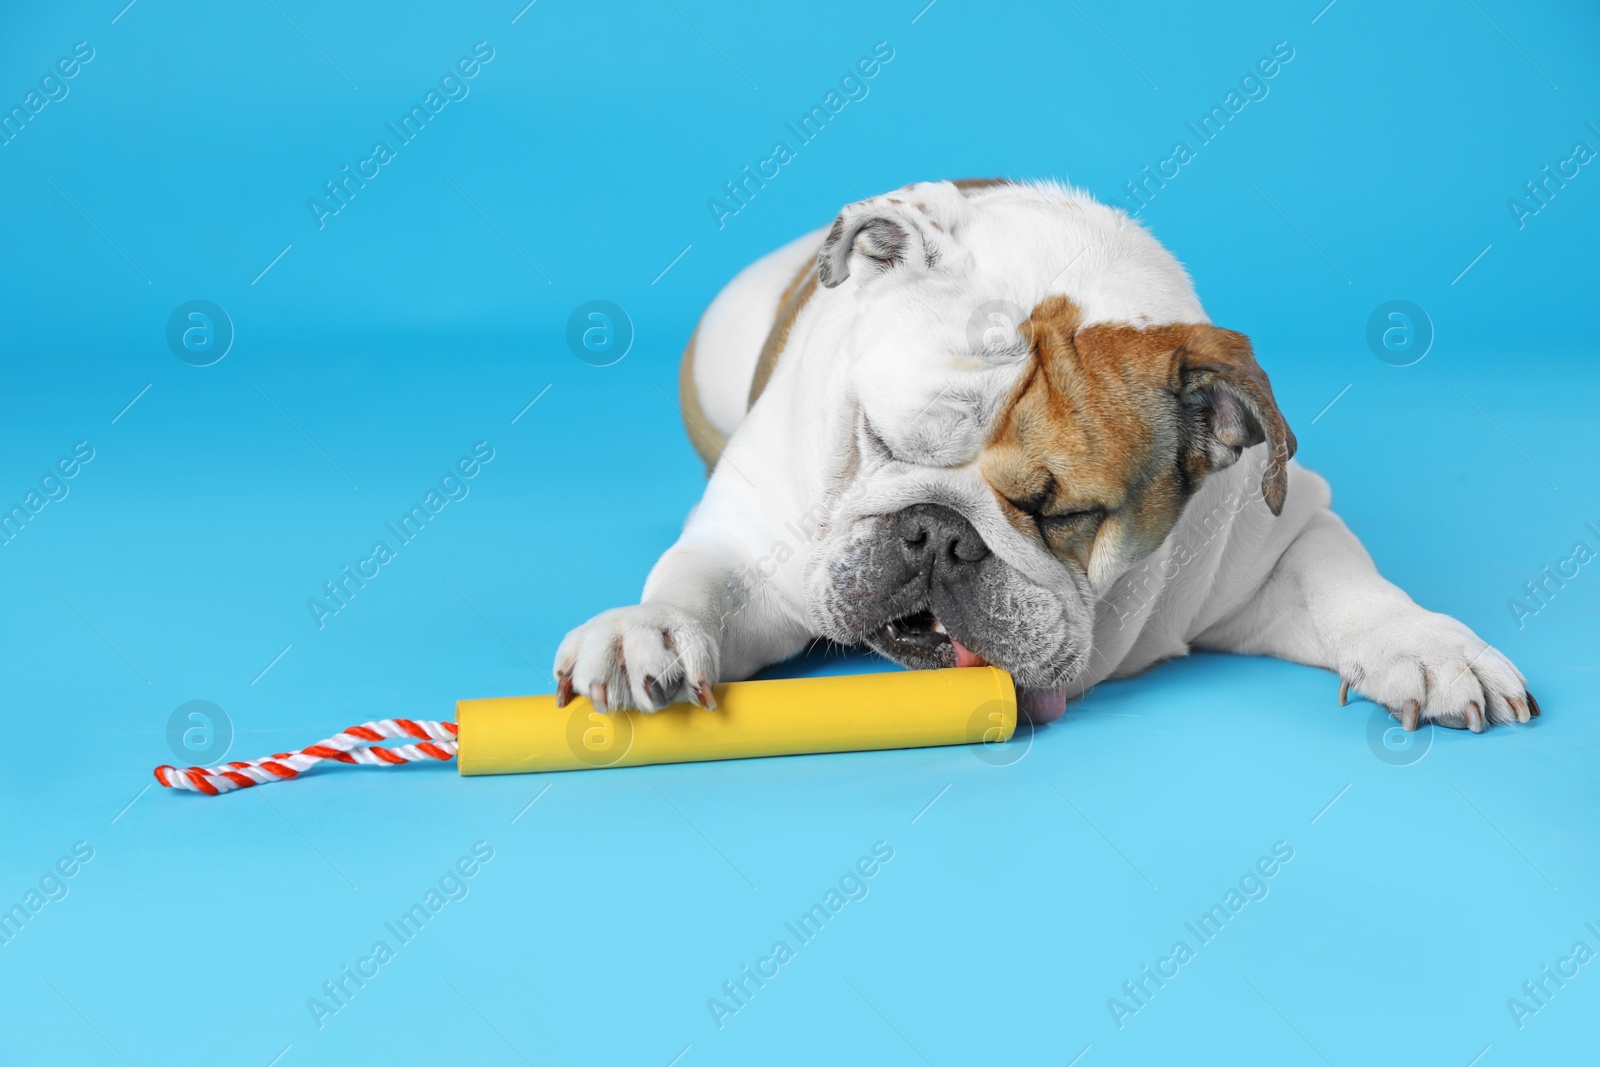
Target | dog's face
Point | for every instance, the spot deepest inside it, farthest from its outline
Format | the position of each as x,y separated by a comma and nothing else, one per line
1033,394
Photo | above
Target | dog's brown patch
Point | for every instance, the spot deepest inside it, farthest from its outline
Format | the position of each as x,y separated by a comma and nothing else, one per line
708,441
978,184
1113,428
790,304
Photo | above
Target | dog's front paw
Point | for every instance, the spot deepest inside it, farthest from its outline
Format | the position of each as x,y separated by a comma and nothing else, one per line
1426,667
645,657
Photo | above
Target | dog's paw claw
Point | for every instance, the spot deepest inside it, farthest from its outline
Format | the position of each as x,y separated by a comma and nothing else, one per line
1408,716
1344,691
1429,668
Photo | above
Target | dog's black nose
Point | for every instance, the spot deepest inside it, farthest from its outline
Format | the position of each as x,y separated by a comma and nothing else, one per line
936,538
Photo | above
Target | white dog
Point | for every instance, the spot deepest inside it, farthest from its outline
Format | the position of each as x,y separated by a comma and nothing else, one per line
990,422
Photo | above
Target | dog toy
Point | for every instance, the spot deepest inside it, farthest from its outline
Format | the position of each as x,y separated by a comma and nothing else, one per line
783,717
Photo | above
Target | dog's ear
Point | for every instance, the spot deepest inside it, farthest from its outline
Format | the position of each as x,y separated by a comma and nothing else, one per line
883,234
1230,406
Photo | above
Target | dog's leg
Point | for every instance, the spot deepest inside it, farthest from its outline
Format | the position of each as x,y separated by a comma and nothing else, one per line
705,616
1325,604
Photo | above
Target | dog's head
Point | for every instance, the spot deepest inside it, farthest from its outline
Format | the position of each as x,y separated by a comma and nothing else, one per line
1033,393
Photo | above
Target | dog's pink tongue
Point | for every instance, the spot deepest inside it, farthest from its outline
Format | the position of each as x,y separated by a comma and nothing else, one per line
1040,706
965,657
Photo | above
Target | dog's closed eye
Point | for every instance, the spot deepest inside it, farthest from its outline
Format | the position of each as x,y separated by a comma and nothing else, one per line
1082,519
1060,529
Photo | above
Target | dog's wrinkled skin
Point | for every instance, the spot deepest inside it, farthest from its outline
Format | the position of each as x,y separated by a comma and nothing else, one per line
990,422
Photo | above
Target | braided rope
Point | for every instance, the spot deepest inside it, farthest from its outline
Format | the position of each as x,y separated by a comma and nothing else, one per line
435,740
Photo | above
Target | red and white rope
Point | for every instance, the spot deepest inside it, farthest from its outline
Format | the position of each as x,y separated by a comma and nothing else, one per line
357,744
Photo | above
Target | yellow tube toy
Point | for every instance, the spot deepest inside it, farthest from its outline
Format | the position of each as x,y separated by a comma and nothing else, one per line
780,717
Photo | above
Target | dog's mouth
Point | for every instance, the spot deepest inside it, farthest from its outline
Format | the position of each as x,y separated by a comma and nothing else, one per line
920,635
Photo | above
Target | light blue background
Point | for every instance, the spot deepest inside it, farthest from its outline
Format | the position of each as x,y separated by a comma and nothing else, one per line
1378,167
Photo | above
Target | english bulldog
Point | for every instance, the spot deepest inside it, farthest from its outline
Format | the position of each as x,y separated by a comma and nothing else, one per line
989,422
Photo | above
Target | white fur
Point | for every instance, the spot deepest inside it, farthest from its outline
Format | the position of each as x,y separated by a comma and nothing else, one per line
735,326
746,583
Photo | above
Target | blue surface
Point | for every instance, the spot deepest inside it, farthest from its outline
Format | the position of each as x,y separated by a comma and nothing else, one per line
432,309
